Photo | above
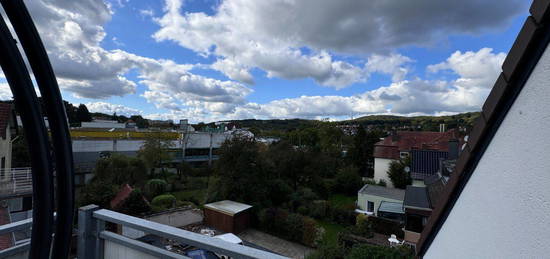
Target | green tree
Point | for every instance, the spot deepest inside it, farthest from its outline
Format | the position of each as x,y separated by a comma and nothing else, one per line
399,177
362,149
82,113
20,152
99,192
119,169
243,173
140,121
348,181
154,152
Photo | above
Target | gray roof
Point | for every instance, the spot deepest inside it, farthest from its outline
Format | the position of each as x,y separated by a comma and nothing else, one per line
393,207
417,197
228,207
389,193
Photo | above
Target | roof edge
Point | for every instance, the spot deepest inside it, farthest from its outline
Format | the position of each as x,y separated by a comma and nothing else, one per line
530,44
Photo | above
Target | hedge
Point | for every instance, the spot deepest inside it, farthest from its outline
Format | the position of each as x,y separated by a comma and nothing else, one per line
291,226
163,202
386,226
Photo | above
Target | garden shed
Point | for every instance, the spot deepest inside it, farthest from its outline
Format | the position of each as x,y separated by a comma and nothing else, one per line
228,216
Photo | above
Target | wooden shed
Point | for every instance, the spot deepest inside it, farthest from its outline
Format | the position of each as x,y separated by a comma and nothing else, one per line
227,216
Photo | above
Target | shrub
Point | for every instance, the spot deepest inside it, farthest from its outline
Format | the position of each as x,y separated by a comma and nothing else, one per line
291,226
348,181
370,182
155,187
363,226
195,183
341,215
164,201
318,209
312,234
327,250
382,182
294,227
135,204
371,251
386,226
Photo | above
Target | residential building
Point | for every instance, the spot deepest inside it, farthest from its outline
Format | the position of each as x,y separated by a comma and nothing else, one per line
8,125
400,144
103,124
496,204
381,201
427,163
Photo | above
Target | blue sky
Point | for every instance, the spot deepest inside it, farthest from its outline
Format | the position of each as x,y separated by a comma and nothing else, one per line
234,59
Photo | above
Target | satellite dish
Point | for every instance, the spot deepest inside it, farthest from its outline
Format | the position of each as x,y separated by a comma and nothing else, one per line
407,169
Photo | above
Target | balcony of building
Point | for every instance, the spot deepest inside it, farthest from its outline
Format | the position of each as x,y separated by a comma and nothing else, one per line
95,240
15,182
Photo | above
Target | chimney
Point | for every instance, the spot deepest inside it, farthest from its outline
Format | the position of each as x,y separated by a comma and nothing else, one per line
453,149
442,127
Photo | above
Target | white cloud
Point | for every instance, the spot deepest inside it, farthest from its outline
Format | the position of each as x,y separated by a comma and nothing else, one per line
110,108
73,31
5,92
147,12
298,39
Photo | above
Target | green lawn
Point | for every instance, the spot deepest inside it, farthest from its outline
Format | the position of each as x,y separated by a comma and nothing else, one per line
340,200
331,231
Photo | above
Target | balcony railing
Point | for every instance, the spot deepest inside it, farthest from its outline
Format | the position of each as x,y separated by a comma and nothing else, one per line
15,182
94,241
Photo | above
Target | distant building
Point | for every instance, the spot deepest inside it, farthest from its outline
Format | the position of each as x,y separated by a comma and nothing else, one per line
103,124
400,144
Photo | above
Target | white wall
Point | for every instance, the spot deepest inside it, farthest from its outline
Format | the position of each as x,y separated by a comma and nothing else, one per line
504,210
5,151
103,124
381,166
363,198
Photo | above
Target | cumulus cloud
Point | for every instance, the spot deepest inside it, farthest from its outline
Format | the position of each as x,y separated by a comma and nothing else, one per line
275,35
5,92
110,108
73,31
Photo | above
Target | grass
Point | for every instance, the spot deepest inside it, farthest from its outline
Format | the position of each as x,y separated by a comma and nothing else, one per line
331,231
342,201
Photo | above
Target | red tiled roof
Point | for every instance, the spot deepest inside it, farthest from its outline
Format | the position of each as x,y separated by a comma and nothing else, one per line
6,240
122,195
5,112
409,140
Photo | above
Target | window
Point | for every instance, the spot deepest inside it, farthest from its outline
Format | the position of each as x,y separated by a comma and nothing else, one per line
2,170
370,206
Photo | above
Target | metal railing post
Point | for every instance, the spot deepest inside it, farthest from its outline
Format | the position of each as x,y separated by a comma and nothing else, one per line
89,243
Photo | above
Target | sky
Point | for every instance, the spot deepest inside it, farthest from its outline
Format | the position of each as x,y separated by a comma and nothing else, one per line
211,60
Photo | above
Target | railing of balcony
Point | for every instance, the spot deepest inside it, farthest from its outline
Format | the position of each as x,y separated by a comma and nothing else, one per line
96,242
15,182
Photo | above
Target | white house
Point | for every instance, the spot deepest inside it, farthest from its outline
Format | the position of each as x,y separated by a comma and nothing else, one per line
371,198
498,201
7,124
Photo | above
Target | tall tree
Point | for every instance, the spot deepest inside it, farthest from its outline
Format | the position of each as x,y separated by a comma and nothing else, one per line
83,114
155,151
243,172
362,150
